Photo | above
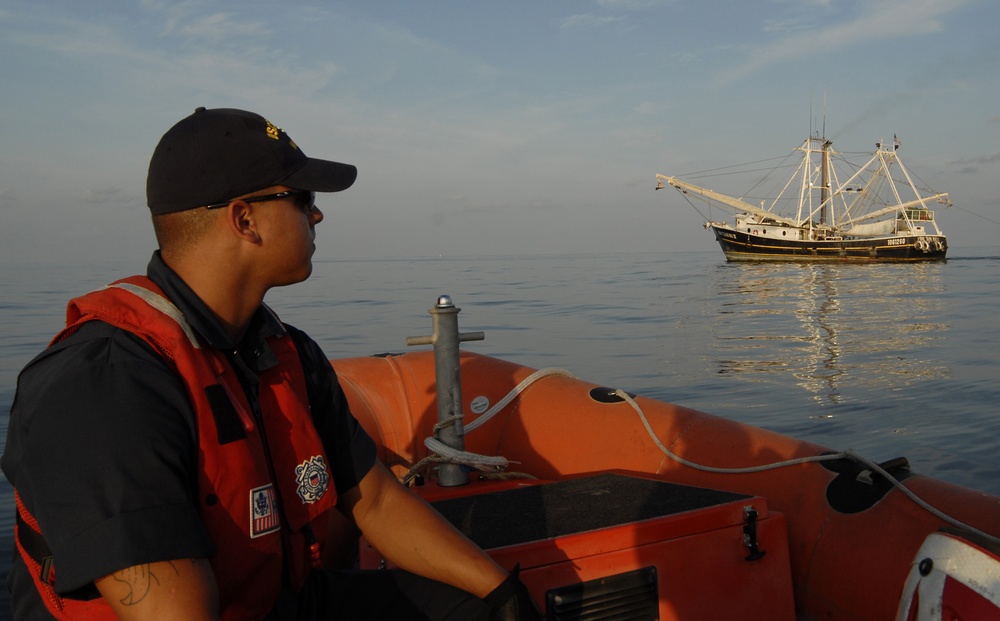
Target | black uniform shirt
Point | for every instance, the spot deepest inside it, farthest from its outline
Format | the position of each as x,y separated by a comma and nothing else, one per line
102,444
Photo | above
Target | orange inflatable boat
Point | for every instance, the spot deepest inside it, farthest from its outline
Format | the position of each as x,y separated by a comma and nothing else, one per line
622,507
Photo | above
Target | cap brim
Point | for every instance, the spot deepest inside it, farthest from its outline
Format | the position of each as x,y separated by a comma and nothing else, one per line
322,176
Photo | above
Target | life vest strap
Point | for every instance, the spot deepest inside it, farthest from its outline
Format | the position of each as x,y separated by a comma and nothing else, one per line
35,546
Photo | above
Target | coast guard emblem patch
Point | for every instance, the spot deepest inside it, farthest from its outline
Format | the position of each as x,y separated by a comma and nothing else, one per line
313,479
263,511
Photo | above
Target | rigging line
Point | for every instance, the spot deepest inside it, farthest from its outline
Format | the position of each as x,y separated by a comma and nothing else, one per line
707,170
978,215
738,172
693,206
924,187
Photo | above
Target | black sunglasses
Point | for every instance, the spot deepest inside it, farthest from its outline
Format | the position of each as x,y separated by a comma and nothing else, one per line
304,199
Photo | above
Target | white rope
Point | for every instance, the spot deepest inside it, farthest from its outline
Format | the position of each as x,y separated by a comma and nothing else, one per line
501,404
781,464
441,452
847,453
465,458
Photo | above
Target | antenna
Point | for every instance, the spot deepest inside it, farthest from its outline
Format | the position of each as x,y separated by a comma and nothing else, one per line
824,110
810,109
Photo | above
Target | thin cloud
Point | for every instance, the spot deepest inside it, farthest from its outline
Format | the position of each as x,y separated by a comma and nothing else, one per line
101,196
588,21
6,197
70,37
633,5
982,159
220,25
786,25
878,20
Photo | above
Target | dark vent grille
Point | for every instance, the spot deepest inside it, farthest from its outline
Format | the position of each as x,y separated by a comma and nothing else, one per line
631,596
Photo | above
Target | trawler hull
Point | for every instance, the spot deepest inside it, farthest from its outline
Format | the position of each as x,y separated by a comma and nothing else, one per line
746,246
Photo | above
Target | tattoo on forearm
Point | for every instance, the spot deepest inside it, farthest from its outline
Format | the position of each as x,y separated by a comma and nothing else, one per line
139,580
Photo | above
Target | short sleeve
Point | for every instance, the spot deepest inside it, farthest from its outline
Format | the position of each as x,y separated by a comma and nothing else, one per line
102,449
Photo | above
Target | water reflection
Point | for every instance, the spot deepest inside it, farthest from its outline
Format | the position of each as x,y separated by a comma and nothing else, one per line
836,329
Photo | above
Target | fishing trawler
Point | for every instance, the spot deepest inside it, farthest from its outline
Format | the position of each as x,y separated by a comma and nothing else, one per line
830,209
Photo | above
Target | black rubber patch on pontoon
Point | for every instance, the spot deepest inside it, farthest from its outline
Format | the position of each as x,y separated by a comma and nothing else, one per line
857,487
538,512
603,394
629,595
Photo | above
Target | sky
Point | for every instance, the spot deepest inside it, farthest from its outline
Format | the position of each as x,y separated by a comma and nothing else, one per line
487,128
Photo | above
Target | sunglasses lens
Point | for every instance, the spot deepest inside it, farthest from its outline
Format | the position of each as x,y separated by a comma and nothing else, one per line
306,200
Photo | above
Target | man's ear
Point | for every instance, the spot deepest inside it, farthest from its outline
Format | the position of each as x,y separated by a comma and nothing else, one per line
241,218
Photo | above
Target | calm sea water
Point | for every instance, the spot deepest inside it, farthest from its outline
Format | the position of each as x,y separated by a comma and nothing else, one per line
886,359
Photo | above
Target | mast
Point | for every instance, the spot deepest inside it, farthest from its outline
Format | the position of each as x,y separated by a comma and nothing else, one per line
824,190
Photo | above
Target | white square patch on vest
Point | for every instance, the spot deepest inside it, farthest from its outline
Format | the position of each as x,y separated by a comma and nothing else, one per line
263,511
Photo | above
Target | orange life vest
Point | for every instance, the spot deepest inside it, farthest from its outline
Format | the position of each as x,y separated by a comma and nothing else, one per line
274,487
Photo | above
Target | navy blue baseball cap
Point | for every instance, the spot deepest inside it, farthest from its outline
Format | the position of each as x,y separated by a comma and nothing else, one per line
218,154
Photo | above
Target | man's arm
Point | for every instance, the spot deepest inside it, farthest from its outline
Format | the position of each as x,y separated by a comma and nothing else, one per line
182,589
416,538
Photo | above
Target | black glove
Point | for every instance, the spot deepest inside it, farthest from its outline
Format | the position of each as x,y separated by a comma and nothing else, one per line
511,602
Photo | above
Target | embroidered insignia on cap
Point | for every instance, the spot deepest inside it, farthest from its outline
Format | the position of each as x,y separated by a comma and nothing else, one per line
313,479
263,511
273,131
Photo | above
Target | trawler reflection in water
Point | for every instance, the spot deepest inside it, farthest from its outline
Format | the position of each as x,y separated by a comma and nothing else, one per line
839,330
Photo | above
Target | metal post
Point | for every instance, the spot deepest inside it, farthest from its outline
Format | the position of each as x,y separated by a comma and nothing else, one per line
447,369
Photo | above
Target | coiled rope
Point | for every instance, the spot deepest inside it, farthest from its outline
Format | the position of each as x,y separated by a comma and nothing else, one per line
488,466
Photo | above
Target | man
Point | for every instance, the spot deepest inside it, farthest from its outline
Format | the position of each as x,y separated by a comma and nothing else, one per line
179,453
